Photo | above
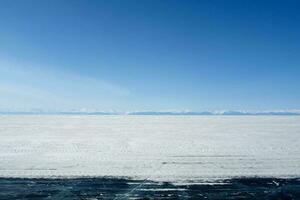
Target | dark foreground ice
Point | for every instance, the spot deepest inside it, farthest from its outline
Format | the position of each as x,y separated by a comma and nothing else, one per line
113,188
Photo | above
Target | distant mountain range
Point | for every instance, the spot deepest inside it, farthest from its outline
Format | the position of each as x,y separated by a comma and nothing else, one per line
219,113
229,113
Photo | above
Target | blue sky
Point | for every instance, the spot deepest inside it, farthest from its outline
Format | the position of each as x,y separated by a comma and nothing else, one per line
149,55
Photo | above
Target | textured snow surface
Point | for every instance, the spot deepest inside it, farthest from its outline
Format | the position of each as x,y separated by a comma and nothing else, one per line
164,148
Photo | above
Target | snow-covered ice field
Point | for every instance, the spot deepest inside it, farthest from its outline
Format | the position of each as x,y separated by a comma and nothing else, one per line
164,148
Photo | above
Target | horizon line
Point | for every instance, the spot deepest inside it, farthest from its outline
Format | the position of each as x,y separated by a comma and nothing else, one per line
189,113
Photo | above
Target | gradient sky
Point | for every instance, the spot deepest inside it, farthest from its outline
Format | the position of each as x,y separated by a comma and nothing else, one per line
149,55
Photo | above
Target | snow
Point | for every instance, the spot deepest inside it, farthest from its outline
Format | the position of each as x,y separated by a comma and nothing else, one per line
163,148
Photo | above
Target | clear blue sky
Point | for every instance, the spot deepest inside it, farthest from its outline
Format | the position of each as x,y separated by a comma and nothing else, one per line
150,55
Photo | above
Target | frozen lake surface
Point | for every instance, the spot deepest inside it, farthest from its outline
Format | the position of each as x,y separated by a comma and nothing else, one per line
179,149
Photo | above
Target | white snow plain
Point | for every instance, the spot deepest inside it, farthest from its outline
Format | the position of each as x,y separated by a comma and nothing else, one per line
163,148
